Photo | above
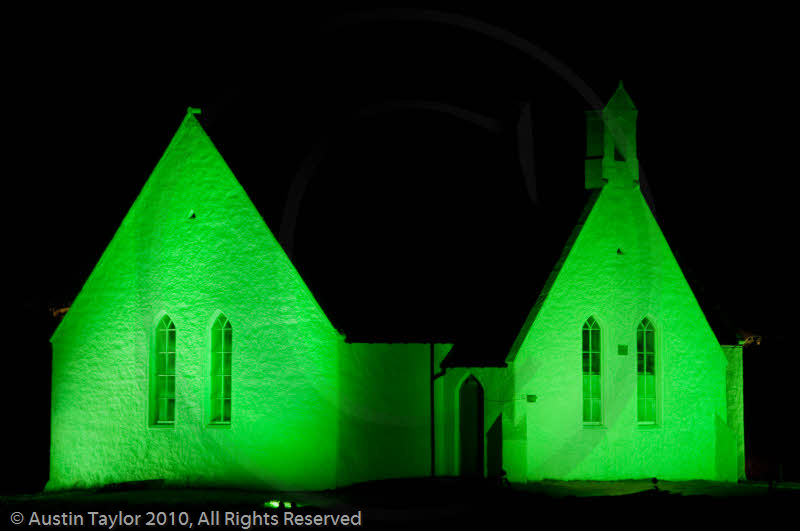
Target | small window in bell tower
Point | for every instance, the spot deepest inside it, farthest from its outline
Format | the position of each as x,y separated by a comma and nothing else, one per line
618,155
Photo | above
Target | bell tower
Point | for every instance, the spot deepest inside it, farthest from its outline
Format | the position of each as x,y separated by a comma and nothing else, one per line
611,144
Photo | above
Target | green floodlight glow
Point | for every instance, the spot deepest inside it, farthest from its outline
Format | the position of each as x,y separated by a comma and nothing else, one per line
253,404
273,504
195,353
251,381
618,273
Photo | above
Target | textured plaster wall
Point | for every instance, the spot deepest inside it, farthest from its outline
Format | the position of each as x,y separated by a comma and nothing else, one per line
284,430
385,412
619,289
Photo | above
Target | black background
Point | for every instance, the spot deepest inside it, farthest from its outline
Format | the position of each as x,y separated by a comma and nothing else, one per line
417,221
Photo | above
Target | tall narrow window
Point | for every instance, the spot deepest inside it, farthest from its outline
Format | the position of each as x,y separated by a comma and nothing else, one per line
646,372
591,372
163,374
221,348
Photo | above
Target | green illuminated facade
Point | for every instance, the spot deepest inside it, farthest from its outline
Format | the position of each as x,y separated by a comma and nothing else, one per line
616,373
195,353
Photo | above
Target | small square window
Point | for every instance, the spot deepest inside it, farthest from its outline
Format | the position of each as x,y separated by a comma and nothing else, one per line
622,350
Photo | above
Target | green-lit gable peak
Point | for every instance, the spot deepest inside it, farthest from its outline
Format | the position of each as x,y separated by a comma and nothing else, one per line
611,143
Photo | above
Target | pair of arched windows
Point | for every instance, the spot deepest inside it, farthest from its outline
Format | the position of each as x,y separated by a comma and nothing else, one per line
162,372
645,372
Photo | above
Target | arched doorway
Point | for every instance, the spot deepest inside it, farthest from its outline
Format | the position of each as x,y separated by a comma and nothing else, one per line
470,432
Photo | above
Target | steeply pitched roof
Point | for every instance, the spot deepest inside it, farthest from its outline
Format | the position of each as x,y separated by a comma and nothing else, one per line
495,332
483,350
191,229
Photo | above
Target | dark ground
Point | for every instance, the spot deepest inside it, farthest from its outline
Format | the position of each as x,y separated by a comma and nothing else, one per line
448,502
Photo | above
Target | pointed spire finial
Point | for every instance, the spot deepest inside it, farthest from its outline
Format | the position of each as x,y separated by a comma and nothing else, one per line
192,110
620,99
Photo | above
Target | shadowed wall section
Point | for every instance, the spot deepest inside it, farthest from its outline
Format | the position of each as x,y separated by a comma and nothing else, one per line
470,428
384,424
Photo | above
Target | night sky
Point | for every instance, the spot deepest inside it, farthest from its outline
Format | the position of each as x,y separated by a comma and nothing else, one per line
405,132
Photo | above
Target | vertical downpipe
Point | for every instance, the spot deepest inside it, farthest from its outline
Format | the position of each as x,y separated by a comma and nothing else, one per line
433,422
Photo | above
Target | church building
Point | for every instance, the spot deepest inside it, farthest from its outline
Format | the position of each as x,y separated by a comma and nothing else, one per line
195,353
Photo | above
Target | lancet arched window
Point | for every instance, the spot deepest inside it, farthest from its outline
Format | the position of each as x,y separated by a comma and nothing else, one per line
162,375
646,372
591,372
221,351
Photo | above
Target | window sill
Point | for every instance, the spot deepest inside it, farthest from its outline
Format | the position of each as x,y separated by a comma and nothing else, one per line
648,426
218,425
595,427
162,426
